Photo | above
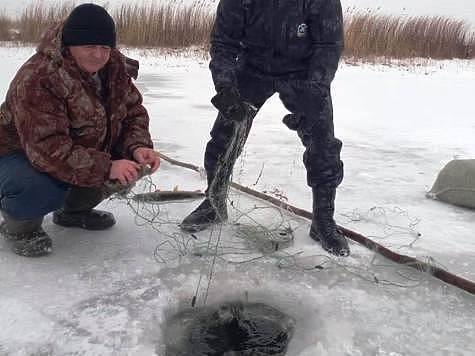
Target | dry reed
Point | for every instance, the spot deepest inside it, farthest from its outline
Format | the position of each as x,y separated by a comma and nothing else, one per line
375,35
164,25
5,25
36,18
173,25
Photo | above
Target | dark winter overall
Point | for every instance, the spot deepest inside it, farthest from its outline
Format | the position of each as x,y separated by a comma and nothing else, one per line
291,47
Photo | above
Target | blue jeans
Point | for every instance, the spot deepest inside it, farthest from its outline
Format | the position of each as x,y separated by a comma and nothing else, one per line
25,192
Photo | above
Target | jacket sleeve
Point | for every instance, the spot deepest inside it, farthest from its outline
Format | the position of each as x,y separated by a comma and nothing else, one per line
326,29
227,32
43,127
135,127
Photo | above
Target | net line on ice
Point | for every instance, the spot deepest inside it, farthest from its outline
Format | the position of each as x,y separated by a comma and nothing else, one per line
428,266
181,243
381,216
250,244
218,187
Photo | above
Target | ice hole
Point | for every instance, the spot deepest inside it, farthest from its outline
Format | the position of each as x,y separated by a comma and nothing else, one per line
229,329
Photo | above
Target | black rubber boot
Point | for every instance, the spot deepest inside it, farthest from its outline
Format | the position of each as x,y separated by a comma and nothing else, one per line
204,216
26,237
324,228
90,219
78,210
228,139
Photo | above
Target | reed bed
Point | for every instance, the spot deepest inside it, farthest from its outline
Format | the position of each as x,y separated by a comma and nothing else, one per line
5,25
172,25
168,25
36,18
376,35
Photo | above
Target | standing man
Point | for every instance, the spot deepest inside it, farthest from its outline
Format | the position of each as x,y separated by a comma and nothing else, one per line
292,47
72,120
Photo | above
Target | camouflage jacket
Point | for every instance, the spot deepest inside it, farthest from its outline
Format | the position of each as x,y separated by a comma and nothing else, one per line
54,113
279,38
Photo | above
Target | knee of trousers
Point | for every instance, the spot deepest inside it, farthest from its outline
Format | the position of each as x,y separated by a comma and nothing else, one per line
323,164
327,150
330,176
33,195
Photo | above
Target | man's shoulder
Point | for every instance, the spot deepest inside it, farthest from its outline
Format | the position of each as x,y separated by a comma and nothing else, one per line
37,74
36,67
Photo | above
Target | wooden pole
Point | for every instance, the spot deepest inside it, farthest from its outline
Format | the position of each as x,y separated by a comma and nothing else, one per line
421,266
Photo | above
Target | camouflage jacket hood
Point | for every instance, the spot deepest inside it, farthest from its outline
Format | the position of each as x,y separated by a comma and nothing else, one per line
55,113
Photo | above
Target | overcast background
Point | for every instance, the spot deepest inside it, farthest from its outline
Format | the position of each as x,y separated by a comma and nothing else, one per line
463,9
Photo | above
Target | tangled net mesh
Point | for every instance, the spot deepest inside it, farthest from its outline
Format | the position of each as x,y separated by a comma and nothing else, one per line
245,239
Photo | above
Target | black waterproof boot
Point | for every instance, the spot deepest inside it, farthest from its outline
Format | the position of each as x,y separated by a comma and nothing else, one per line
204,216
26,237
324,228
78,210
219,162
90,219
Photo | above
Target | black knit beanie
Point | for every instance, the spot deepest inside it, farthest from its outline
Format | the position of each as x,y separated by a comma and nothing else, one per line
89,24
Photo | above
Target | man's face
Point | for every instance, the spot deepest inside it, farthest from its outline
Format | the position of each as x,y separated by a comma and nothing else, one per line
90,58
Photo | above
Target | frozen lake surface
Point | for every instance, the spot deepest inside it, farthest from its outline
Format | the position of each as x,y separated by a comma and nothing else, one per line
111,292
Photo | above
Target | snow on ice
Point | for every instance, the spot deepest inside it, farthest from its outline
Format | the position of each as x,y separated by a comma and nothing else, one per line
111,292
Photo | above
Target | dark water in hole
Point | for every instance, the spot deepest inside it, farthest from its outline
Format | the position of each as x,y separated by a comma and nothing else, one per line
229,329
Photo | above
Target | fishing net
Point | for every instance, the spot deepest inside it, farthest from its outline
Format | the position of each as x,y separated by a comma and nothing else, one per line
455,184
219,185
232,328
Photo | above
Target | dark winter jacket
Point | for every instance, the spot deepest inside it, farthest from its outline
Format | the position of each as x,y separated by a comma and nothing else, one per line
279,38
54,113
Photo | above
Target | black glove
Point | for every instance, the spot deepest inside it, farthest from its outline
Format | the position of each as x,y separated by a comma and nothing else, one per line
292,121
229,104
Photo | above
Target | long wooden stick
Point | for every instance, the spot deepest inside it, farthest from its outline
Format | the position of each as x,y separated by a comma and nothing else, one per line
421,266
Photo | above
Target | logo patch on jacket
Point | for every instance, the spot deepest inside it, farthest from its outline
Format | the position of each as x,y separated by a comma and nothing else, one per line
302,30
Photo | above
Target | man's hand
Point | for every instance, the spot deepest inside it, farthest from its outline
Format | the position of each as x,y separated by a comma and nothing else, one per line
147,156
124,171
229,104
292,121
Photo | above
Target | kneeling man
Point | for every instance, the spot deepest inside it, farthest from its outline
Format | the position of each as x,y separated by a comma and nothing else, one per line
71,121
